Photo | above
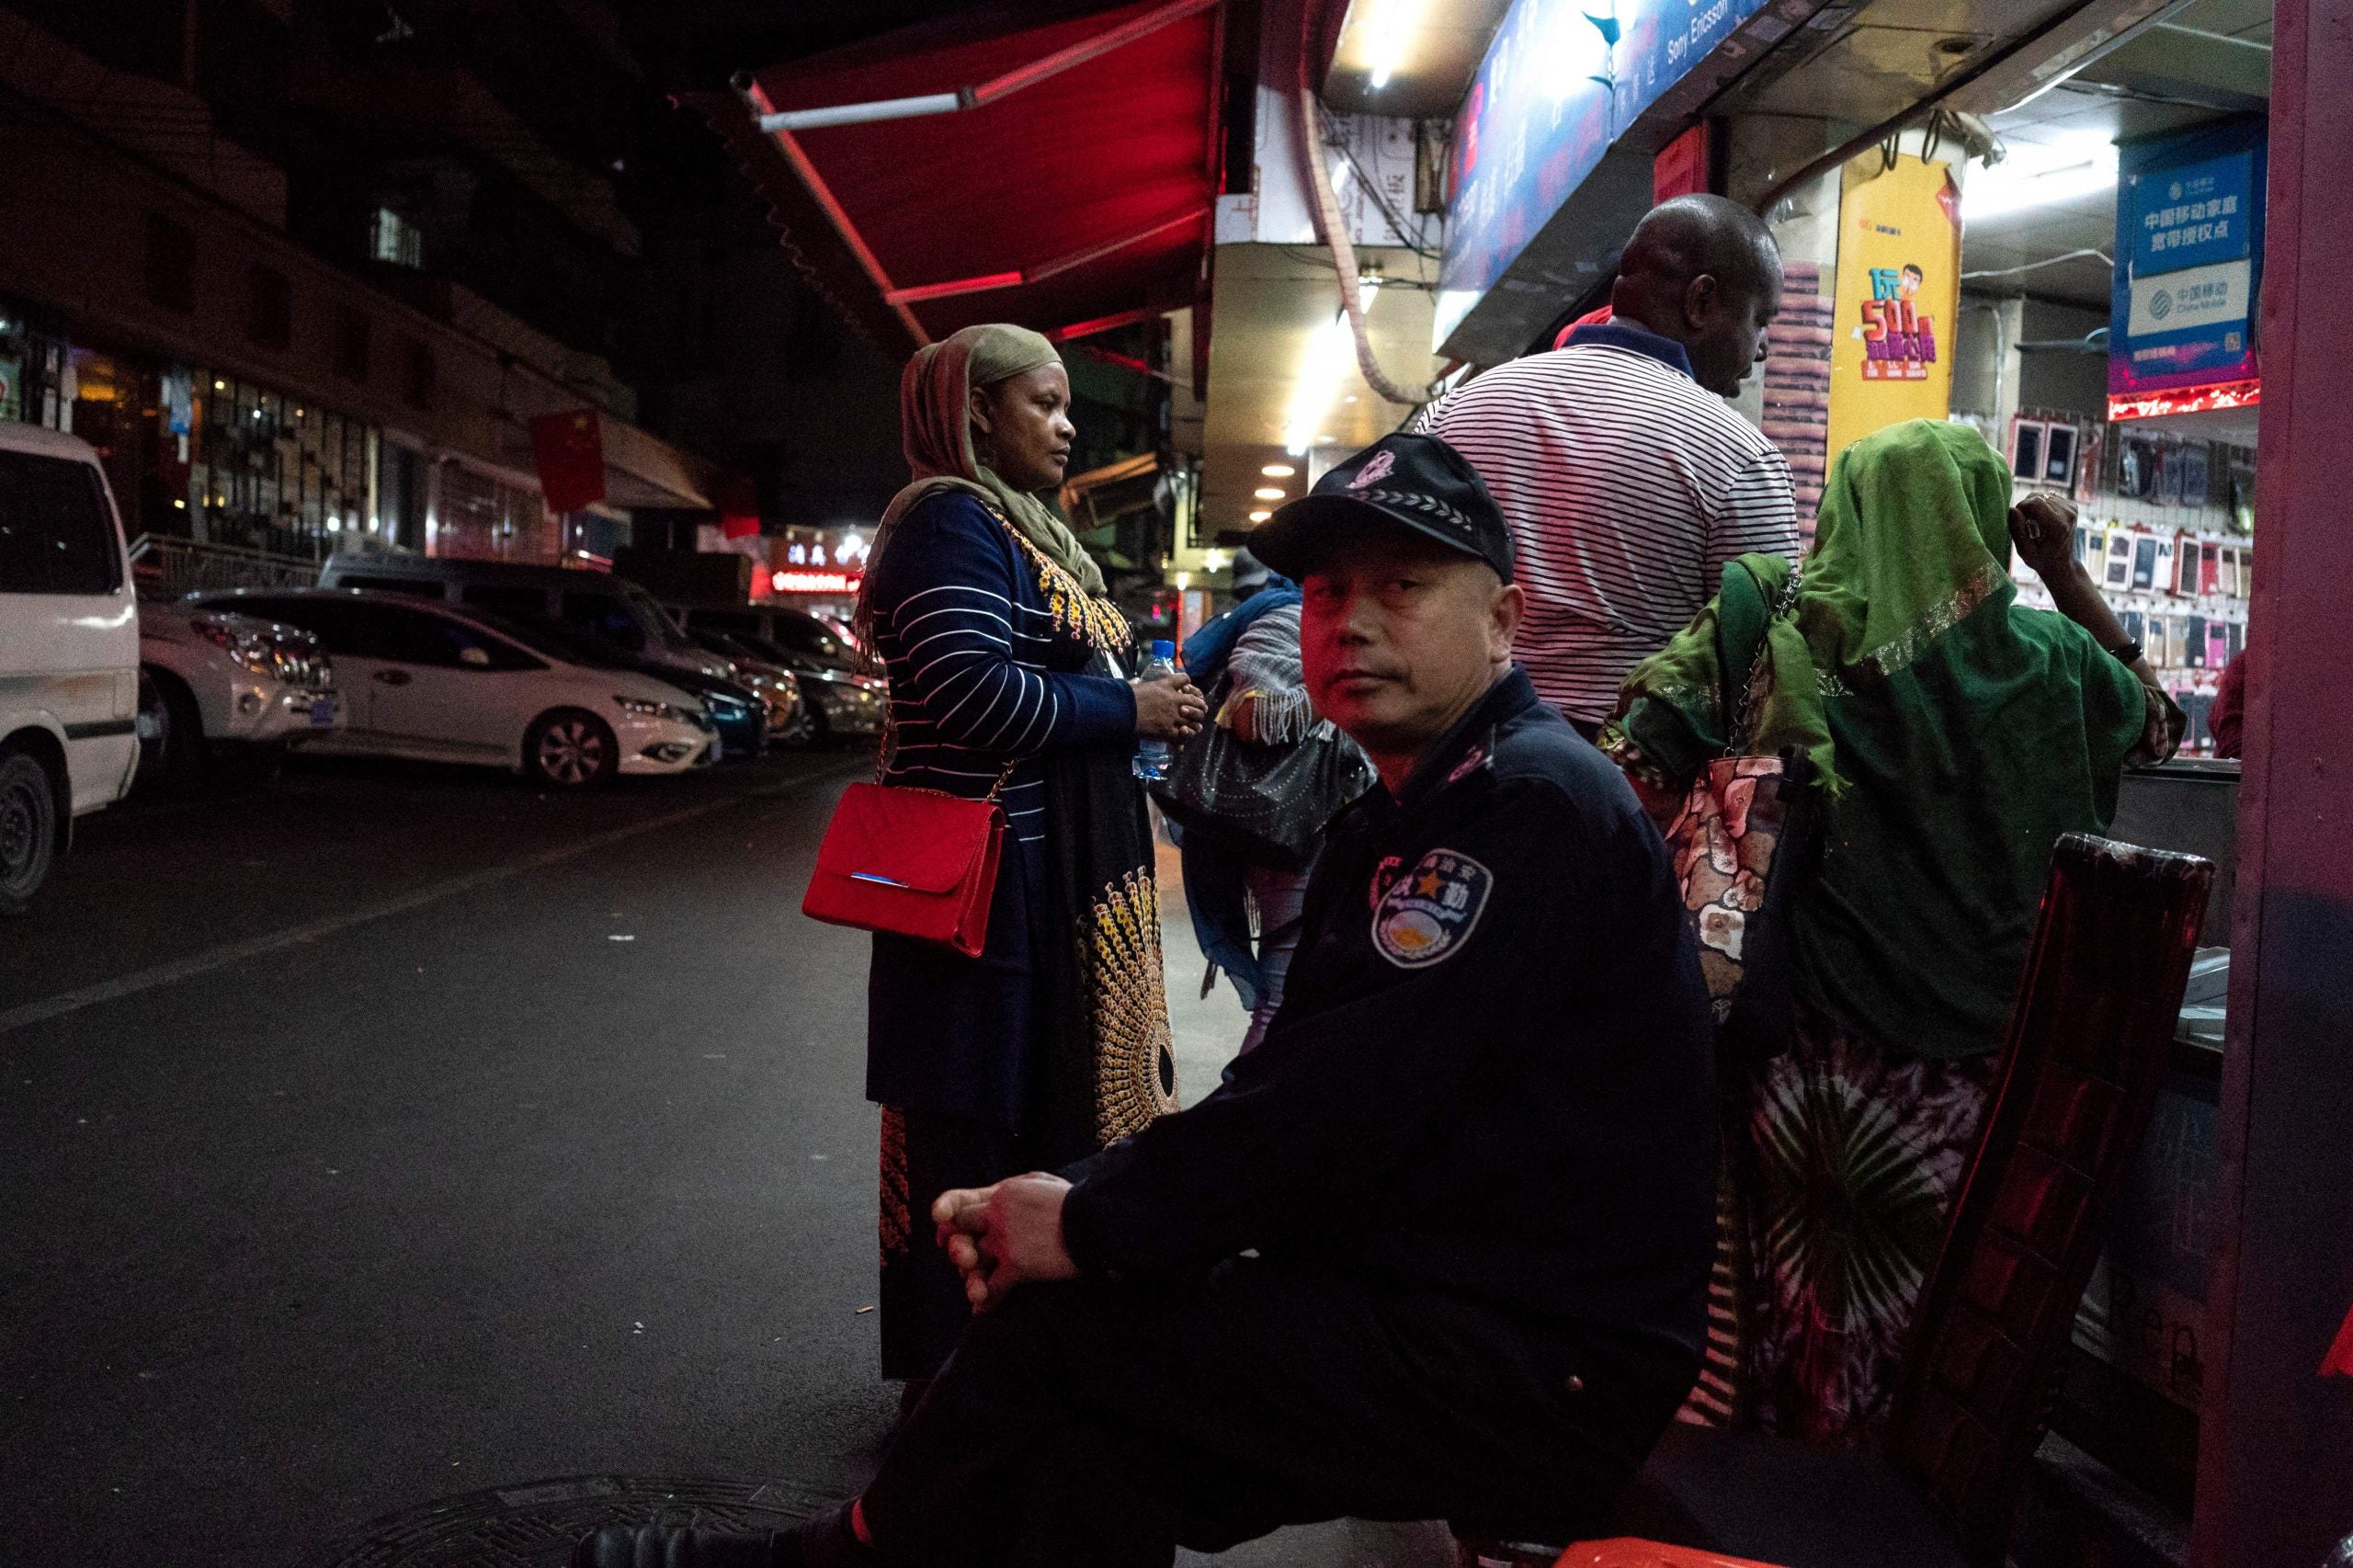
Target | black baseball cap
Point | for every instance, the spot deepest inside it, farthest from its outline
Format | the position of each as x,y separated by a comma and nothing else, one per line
1405,481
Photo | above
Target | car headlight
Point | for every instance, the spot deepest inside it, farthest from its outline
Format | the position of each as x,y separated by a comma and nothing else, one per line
644,708
252,651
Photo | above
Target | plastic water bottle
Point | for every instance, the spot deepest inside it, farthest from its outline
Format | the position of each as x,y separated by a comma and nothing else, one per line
1153,754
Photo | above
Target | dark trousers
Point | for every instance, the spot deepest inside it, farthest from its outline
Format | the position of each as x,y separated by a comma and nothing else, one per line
1102,1424
924,1155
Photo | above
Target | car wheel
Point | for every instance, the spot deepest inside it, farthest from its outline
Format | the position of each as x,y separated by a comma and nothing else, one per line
797,730
28,828
171,735
569,749
819,732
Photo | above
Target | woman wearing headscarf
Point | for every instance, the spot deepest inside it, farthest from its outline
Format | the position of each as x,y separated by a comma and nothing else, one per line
1004,657
1959,733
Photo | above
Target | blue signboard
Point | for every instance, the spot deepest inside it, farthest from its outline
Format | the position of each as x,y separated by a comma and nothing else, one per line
1561,81
2189,248
2193,215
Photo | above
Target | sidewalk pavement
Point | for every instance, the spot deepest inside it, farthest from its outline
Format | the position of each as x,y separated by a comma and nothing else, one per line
1205,1032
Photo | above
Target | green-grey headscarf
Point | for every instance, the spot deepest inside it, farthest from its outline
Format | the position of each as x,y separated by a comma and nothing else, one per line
935,413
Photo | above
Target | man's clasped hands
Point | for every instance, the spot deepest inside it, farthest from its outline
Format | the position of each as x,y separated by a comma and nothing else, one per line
1005,1234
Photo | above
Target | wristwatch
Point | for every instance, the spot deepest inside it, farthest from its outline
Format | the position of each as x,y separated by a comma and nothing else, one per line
2127,653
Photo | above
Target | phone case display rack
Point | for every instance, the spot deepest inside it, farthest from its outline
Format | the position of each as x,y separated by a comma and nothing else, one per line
2164,529
2180,593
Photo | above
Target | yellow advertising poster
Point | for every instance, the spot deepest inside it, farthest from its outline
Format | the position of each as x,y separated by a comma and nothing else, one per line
1899,284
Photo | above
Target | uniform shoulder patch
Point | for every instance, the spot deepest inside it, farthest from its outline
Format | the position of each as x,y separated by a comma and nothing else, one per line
1430,912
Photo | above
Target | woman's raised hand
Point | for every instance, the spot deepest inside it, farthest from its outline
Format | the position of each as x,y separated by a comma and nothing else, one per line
1170,709
2044,527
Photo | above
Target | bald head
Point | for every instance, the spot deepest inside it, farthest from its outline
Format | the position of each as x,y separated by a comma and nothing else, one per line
1705,272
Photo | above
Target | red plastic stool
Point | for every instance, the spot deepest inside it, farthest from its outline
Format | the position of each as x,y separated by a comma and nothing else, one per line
1625,1552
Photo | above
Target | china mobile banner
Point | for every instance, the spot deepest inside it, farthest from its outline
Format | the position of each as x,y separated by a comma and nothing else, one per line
2188,269
1899,283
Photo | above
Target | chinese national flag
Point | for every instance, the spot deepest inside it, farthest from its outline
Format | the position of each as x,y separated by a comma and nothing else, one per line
569,451
739,507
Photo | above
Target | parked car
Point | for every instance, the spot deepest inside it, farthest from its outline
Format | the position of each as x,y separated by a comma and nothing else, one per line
739,713
427,681
772,680
843,698
596,602
846,702
214,682
68,652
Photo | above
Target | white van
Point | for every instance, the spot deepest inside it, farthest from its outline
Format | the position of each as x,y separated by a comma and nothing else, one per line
68,652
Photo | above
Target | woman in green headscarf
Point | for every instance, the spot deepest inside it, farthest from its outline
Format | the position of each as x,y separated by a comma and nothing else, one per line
1960,733
1006,680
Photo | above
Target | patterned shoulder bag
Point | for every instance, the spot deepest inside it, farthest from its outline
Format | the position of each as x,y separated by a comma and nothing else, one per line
1737,843
1740,843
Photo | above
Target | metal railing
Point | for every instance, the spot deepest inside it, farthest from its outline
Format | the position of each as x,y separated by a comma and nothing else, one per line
168,566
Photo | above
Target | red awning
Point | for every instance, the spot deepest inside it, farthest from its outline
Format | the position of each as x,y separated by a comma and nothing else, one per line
1058,173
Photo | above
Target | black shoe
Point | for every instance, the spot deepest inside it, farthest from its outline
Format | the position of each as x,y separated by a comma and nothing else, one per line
674,1546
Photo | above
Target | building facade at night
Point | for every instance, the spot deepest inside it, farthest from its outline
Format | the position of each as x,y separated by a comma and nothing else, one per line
304,282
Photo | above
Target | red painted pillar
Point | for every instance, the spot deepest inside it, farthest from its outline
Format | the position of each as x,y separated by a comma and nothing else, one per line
2275,1483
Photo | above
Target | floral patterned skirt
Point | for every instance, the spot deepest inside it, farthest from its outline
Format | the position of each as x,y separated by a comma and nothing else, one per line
1854,1156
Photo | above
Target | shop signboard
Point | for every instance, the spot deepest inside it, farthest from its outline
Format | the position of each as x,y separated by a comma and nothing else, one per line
1899,283
2188,245
1561,81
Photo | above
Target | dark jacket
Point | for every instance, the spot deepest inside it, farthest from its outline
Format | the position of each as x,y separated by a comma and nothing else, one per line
979,676
1492,1074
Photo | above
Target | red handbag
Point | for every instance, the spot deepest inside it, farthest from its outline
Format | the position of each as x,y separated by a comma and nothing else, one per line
915,862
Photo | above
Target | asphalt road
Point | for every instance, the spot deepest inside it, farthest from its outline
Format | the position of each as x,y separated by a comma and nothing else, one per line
381,1134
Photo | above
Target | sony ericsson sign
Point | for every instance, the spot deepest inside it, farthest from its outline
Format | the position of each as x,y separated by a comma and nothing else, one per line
2190,247
1561,81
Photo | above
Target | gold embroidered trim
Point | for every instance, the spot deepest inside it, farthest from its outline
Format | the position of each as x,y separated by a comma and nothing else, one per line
1898,654
1135,1069
1077,613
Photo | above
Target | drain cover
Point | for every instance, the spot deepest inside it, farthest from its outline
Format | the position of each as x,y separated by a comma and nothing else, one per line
535,1523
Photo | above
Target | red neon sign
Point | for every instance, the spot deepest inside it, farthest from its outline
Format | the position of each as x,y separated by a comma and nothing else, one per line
2188,400
815,582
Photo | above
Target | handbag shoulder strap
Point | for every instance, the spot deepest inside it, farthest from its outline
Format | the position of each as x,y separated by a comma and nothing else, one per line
890,747
1757,672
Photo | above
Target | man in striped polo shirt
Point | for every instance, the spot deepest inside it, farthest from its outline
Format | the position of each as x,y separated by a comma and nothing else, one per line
1627,481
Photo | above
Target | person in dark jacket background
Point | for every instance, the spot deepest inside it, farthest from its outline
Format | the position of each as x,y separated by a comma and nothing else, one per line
1218,897
1438,1247
1003,656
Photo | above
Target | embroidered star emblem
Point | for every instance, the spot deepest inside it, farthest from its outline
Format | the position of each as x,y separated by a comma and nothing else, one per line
1427,884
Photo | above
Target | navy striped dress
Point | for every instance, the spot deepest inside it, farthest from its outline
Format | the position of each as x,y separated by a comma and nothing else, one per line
992,664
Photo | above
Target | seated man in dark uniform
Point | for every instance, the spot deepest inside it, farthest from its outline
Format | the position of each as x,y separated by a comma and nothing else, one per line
1439,1248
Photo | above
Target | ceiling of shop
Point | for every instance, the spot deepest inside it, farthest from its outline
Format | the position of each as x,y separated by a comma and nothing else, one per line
2215,53
2207,58
1858,62
1445,41
2020,251
1271,304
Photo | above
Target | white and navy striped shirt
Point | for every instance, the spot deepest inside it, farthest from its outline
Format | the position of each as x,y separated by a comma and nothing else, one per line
1627,486
981,676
